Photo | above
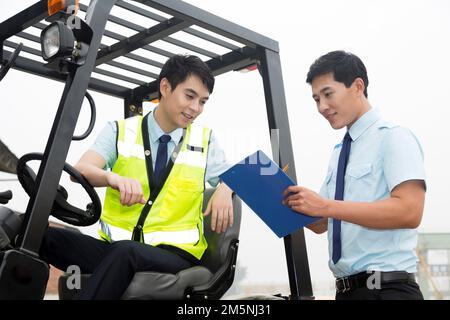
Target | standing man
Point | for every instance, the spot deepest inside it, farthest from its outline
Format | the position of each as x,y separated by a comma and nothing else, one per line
154,168
373,196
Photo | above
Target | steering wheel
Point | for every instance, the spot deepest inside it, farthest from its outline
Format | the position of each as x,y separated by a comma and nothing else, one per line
61,209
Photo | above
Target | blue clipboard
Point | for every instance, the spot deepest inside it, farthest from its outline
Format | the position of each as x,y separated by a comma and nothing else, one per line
260,183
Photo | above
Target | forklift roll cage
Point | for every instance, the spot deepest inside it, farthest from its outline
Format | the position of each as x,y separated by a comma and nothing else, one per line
254,49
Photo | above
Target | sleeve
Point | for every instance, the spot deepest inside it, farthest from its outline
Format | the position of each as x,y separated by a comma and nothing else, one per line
402,157
216,163
105,144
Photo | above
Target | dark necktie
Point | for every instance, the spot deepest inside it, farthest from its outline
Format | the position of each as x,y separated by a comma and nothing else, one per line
161,157
339,195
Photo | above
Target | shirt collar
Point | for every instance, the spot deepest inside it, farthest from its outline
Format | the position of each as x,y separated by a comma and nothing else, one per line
363,123
156,132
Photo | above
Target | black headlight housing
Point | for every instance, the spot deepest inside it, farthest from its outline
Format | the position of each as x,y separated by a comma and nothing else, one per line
57,41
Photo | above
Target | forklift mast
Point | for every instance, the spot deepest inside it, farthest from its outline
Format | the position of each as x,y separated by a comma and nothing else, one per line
243,48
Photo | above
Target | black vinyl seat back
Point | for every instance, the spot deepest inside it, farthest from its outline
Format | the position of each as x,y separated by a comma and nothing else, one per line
219,243
220,256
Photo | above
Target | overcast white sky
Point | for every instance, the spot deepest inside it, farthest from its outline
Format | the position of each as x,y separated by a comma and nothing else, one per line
404,45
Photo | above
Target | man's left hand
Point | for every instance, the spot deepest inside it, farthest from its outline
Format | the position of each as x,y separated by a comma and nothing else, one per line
221,207
305,201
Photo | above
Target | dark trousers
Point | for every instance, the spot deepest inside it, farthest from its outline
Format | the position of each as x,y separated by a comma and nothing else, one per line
112,265
389,291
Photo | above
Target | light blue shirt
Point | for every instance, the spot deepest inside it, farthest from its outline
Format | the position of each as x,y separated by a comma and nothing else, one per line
382,156
105,145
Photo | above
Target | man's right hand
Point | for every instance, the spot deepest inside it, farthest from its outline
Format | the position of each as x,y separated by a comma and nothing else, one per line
130,189
91,166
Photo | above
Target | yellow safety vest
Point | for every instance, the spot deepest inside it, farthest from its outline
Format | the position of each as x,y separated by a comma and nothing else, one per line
175,217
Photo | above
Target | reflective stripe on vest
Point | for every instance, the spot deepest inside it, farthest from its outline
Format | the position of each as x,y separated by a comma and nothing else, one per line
126,144
156,237
176,217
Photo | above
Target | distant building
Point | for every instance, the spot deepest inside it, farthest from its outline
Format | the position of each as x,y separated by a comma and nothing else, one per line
433,250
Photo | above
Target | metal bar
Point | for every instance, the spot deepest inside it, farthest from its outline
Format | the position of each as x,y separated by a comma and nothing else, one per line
295,246
34,38
119,37
24,19
40,203
36,68
40,25
118,76
24,48
157,17
28,36
181,44
130,55
109,88
213,23
133,69
142,59
230,61
141,38
138,28
140,11
147,92
148,47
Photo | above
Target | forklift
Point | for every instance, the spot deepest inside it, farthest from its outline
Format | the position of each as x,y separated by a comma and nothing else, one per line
72,51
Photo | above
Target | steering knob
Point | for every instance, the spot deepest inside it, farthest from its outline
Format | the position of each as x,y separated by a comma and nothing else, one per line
5,197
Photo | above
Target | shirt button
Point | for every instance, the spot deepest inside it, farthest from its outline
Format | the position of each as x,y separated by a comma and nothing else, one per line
147,152
150,202
175,154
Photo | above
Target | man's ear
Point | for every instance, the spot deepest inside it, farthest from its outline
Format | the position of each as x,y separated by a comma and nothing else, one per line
359,85
164,87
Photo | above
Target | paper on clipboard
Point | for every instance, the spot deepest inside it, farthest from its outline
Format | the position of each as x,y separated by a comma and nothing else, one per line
260,183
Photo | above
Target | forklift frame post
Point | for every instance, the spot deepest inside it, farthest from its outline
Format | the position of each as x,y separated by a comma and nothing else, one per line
295,246
47,180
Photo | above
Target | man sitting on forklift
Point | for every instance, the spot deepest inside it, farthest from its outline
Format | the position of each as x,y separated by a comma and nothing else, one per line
152,216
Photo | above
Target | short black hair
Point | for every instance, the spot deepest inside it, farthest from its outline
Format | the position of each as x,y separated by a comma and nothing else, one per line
345,66
179,67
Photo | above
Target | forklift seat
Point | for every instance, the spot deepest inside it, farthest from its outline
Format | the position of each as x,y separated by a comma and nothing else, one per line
209,280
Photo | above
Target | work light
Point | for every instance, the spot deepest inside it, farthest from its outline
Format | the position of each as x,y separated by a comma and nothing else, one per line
57,40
